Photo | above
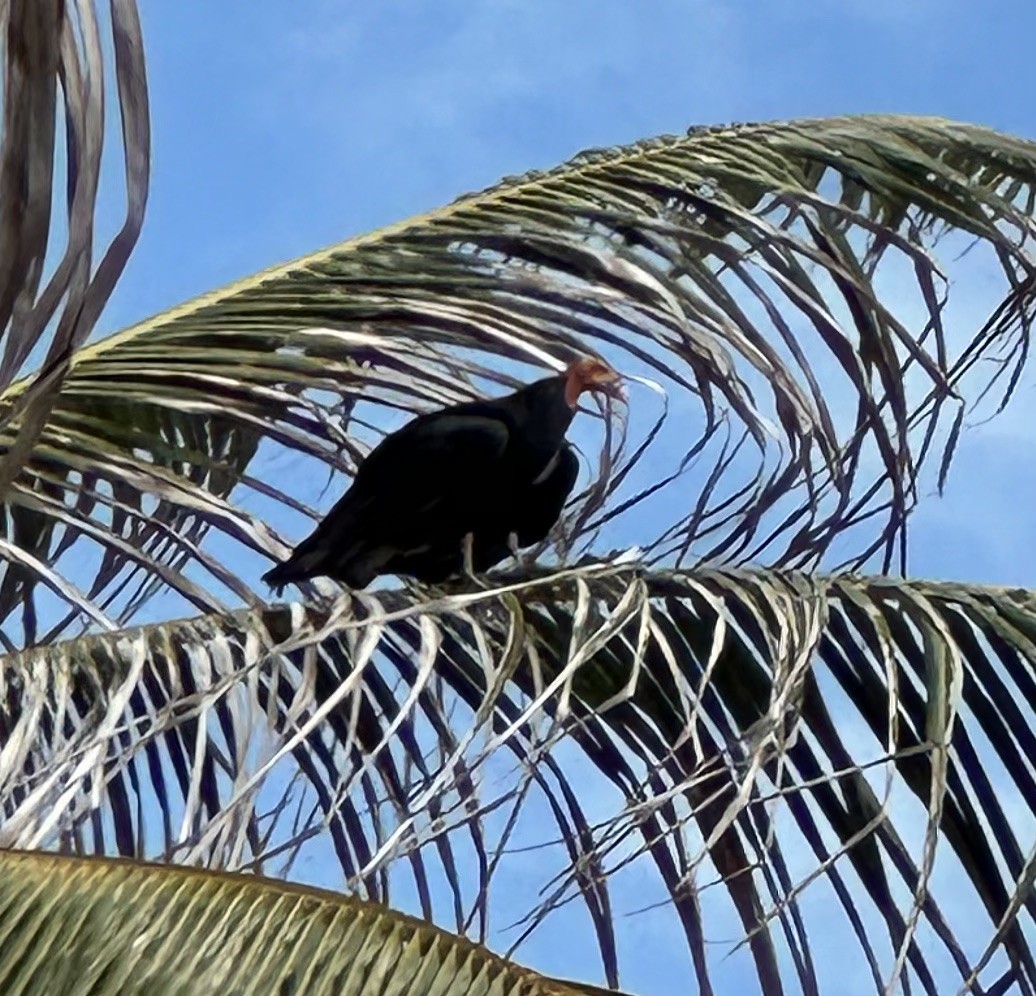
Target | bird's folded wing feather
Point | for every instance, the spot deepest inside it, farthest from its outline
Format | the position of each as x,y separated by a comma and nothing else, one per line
433,455
429,461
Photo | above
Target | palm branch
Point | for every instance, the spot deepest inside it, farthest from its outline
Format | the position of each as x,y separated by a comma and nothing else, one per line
136,928
718,737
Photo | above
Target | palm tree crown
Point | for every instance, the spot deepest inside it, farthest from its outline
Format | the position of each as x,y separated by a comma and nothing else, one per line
716,675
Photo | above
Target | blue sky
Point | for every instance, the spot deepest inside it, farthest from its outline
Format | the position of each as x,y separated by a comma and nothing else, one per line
282,127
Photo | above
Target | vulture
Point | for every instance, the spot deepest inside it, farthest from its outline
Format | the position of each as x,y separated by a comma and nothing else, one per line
455,490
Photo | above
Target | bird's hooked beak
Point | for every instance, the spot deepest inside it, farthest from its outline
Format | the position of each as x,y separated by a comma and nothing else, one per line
613,387
606,381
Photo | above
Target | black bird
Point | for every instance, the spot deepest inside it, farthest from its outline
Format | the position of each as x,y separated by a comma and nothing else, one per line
454,489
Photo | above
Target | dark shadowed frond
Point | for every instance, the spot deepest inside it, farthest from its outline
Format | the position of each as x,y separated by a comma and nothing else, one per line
765,745
128,927
817,301
53,131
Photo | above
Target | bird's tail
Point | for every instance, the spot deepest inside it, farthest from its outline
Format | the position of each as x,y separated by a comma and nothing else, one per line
307,561
280,575
356,569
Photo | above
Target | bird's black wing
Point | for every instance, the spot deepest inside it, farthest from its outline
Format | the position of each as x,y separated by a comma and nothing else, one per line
436,459
417,486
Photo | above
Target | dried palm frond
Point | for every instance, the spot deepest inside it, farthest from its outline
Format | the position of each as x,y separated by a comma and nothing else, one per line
769,729
47,45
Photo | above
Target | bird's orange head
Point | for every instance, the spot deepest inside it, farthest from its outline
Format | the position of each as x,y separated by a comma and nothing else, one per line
591,374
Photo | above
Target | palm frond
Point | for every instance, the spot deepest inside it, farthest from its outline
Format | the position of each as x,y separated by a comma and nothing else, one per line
51,45
745,270
91,925
771,735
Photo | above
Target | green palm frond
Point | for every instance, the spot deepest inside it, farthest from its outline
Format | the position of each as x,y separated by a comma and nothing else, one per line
773,730
743,269
87,925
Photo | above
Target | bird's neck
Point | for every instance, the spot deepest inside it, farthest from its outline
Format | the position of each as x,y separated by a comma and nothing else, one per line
573,388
